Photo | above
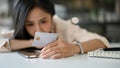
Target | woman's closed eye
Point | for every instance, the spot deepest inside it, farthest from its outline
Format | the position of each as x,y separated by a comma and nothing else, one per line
29,23
43,22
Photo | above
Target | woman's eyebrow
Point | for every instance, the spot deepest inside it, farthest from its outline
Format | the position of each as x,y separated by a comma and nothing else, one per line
28,21
43,18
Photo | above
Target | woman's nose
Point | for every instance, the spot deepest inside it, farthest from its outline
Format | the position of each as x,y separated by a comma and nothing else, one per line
38,28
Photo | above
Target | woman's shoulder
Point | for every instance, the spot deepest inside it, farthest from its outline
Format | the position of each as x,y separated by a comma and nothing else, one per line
59,22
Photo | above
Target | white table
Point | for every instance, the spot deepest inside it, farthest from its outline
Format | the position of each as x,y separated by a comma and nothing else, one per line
14,60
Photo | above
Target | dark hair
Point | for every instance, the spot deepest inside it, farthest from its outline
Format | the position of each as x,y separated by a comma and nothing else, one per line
20,12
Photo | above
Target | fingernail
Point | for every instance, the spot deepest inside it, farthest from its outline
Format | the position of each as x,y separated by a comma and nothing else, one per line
42,56
41,50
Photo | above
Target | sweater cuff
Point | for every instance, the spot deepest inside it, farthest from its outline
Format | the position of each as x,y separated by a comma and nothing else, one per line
2,42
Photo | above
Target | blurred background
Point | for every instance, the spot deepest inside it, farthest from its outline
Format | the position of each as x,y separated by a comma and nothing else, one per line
100,16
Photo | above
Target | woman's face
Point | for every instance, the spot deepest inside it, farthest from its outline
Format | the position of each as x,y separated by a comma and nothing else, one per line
38,21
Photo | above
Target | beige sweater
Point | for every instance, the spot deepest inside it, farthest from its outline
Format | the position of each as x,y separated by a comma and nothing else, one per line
70,32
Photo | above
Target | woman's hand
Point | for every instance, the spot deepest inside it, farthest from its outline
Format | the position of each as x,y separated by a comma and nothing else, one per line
59,49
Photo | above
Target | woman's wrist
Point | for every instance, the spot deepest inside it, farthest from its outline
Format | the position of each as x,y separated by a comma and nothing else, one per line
29,43
19,44
9,45
78,44
76,49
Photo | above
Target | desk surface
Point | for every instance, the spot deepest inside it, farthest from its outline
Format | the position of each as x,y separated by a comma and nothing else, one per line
14,60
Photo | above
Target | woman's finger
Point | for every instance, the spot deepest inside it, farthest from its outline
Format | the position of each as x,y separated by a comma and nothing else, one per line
49,54
57,56
50,45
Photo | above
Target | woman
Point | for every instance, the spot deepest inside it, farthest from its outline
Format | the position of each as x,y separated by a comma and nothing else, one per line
32,16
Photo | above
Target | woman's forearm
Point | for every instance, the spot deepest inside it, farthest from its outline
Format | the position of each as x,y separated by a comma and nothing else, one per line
19,44
92,45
